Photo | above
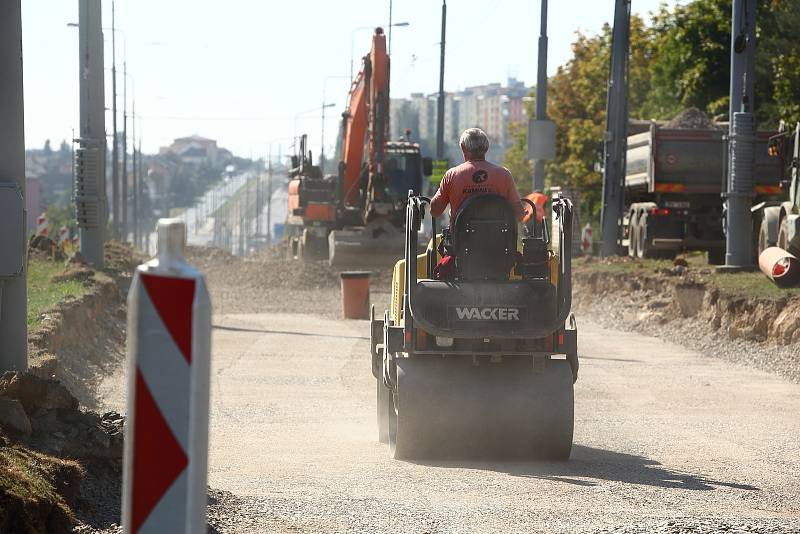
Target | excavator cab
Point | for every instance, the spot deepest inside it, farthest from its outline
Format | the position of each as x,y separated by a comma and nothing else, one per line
483,364
403,173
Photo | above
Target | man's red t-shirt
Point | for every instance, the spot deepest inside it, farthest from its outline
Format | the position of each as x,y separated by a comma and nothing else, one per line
475,177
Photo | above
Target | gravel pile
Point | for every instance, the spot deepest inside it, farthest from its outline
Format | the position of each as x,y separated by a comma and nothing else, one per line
272,282
691,119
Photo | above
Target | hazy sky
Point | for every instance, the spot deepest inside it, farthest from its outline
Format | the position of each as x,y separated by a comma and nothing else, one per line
240,71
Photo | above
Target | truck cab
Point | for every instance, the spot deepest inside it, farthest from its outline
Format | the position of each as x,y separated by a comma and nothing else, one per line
779,222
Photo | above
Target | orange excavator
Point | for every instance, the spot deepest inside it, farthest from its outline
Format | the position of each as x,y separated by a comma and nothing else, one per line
364,211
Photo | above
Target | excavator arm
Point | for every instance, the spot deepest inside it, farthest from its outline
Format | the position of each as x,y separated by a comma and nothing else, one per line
365,124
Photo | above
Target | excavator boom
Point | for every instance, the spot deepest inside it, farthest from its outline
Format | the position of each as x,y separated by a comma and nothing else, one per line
375,174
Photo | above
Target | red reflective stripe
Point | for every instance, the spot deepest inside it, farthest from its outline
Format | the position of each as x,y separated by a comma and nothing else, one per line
769,189
561,339
158,458
670,188
173,299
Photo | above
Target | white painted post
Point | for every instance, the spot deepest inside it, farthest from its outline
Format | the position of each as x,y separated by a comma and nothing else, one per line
169,353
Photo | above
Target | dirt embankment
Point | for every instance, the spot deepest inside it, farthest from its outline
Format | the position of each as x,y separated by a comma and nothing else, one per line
687,305
60,464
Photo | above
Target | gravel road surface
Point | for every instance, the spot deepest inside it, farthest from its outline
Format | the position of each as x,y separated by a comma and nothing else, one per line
667,440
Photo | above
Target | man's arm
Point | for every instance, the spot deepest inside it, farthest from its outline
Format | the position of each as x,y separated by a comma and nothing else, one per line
513,197
442,197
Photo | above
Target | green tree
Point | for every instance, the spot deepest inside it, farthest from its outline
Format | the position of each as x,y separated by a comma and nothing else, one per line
691,59
516,157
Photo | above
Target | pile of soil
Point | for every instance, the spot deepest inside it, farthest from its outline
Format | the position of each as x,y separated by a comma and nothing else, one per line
37,491
270,281
48,446
691,119
43,247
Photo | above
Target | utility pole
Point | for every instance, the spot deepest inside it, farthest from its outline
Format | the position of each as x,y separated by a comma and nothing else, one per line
440,101
124,199
616,129
91,209
115,147
322,144
134,171
269,200
140,190
13,279
742,131
541,94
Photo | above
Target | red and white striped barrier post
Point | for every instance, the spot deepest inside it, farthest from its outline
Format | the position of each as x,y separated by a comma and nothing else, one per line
63,235
42,226
586,239
169,352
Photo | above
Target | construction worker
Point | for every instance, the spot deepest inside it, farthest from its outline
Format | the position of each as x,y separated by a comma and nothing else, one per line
475,176
539,200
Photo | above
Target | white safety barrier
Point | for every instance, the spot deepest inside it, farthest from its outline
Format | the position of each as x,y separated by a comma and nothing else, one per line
169,352
586,239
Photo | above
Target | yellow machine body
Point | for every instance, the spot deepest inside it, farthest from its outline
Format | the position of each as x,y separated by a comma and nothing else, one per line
399,282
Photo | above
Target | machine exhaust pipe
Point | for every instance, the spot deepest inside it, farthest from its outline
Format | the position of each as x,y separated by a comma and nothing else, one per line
780,266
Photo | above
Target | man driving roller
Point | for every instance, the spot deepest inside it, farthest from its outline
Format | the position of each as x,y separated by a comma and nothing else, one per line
475,176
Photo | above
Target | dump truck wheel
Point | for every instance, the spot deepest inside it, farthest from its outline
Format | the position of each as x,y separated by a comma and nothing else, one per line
763,237
633,235
451,408
783,234
643,247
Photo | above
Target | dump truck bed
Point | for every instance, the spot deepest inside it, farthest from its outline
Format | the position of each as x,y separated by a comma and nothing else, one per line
665,160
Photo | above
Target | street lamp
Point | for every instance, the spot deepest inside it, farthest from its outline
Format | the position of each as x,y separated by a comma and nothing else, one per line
361,28
306,112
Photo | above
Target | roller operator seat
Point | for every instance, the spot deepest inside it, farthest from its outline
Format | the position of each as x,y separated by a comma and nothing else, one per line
484,238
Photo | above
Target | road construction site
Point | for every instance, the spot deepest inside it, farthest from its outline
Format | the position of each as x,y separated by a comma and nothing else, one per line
356,359
667,438
672,433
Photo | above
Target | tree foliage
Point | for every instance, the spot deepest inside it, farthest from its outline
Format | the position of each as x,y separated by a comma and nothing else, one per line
680,59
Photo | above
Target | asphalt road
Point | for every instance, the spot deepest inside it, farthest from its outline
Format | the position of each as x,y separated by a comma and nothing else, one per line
664,438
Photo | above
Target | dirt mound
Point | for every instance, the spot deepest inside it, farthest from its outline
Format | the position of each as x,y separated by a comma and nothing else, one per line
40,246
272,282
42,466
120,257
73,271
36,491
691,119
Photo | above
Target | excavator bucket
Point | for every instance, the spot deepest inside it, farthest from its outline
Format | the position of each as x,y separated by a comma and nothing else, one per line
365,247
456,407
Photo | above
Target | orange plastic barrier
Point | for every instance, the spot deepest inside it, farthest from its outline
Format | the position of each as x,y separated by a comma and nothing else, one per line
355,294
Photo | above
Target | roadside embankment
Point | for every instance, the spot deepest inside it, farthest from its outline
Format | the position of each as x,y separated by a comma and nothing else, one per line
60,464
740,317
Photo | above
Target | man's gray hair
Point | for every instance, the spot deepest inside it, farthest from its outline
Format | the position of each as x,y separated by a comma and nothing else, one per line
474,141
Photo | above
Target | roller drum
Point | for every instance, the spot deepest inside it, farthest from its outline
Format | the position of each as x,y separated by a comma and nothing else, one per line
451,408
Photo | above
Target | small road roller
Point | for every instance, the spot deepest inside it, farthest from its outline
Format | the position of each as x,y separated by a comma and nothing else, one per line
479,360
